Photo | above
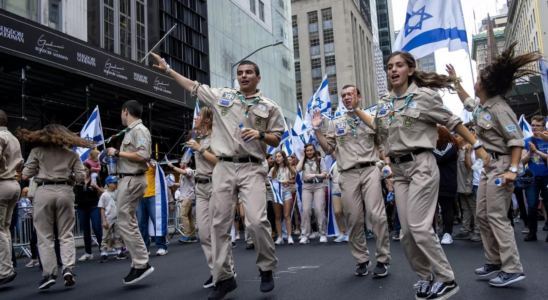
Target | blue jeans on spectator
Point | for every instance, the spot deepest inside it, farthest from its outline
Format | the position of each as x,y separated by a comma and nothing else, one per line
14,228
145,211
475,189
397,220
539,186
91,215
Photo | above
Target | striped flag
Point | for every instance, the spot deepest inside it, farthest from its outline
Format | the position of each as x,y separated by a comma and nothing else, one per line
92,131
161,214
276,187
525,127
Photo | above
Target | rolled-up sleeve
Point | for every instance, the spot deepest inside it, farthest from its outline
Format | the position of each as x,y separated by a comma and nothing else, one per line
438,114
510,130
31,166
470,104
78,168
142,143
276,122
205,93
331,140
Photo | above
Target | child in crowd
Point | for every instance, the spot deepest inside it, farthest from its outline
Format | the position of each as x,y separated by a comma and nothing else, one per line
107,203
93,161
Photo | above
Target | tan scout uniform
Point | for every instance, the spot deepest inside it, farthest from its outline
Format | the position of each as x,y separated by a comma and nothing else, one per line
497,127
186,189
359,181
416,183
10,161
131,190
336,196
54,203
467,198
313,191
229,178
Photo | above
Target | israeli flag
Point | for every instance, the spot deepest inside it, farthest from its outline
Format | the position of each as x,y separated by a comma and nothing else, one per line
297,142
299,126
285,136
525,127
466,116
431,25
319,101
288,146
157,224
299,187
544,75
332,226
276,187
92,131
341,109
196,112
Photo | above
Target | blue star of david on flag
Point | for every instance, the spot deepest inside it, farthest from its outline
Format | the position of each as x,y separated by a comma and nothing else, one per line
423,17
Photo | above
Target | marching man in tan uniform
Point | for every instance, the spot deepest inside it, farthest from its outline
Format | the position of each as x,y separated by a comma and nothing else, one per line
131,166
357,149
10,162
55,168
406,120
244,123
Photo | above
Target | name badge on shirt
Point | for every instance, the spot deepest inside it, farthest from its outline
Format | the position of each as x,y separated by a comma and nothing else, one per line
224,102
511,128
412,105
487,117
341,125
228,96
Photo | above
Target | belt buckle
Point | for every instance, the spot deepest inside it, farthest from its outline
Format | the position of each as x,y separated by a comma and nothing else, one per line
235,160
397,160
357,166
413,157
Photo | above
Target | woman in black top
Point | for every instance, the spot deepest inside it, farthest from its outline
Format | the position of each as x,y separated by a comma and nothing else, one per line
446,154
87,197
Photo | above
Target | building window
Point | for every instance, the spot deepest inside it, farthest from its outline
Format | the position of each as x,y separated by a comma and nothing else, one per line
315,43
261,10
252,7
330,67
141,39
297,70
316,82
26,9
54,12
332,81
298,88
326,15
108,35
125,28
316,65
313,21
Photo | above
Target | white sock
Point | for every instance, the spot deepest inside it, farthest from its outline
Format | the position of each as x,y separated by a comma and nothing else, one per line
118,252
103,253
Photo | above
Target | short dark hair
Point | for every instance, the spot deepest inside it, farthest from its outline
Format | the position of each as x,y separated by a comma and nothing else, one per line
134,108
349,85
3,119
248,62
87,165
538,118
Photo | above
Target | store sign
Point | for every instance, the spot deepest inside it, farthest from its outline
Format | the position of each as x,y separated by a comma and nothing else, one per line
30,40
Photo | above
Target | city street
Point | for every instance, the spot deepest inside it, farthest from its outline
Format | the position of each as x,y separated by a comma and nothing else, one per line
313,271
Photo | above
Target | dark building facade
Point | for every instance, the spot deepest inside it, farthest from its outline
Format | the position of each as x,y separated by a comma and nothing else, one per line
386,38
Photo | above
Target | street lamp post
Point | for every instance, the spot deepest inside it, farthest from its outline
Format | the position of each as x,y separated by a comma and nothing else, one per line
238,62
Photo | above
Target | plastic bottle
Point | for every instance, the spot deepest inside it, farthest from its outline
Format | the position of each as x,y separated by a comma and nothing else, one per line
111,165
188,154
499,181
385,173
241,130
478,164
390,197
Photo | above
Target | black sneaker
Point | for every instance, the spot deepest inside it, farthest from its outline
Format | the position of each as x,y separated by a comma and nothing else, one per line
222,288
267,281
138,274
530,237
8,279
504,279
423,288
443,290
209,283
69,277
103,259
122,255
462,236
545,227
362,268
46,282
487,270
250,246
381,269
233,245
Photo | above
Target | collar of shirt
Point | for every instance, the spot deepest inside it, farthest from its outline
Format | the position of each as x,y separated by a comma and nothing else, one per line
257,94
413,88
492,101
135,123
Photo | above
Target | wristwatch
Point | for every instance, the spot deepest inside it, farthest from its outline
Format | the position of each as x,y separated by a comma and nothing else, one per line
202,151
117,153
261,135
477,145
387,164
513,169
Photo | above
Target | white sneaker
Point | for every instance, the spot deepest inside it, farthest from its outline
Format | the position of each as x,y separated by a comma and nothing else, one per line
161,252
300,236
304,240
290,240
346,237
340,239
323,239
237,236
279,241
86,257
447,239
297,232
314,235
437,238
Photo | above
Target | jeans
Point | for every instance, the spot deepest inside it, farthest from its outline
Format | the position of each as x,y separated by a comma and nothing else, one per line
397,223
447,214
539,185
145,211
90,215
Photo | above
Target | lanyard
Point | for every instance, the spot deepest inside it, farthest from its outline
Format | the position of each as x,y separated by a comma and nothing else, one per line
197,139
352,124
392,110
310,163
247,106
121,132
476,113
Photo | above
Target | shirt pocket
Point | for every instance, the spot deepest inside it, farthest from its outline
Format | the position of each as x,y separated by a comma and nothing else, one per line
409,119
126,144
341,128
260,116
225,103
382,120
486,128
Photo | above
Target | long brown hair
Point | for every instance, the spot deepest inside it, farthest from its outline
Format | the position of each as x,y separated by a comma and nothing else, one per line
206,113
317,157
53,135
445,137
286,164
431,80
499,77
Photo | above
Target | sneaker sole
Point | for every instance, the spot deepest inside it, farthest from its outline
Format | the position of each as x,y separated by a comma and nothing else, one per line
161,254
509,282
46,285
488,274
207,286
364,274
148,272
120,258
446,296
69,280
381,274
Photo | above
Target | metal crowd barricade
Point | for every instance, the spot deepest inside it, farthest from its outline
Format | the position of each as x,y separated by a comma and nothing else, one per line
174,220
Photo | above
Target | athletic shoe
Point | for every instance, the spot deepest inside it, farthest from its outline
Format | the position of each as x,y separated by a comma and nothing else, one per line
530,237
447,239
137,274
161,252
297,232
233,245
423,288
222,288
250,246
290,240
545,227
341,238
46,282
346,237
462,236
279,241
186,239
314,235
86,257
439,231
437,238
323,239
368,234
122,255
304,240
487,270
237,236
69,277
516,219
443,290
362,268
476,237
209,283
103,259
396,237
525,230
267,281
504,279
381,269
8,279
32,263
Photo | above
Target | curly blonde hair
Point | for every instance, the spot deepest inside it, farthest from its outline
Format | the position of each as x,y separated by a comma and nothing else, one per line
53,135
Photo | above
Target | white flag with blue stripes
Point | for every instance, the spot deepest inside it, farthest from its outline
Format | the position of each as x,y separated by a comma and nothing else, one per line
159,225
92,131
297,142
276,187
341,109
299,126
525,127
319,101
196,112
431,25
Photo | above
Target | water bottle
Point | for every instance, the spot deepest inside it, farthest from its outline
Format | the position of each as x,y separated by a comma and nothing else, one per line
478,164
385,173
241,130
111,165
499,181
390,197
188,154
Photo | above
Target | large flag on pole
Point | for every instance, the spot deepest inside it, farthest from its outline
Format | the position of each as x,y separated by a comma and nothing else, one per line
196,112
431,25
319,101
544,74
297,143
299,126
161,214
92,131
525,127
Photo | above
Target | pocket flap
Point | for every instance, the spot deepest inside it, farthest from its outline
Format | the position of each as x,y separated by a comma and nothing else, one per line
260,113
411,112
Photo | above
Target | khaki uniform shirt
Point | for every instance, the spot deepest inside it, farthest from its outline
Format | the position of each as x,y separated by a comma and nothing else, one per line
416,126
228,111
496,126
10,155
137,139
464,176
311,168
204,168
352,150
335,174
187,185
54,164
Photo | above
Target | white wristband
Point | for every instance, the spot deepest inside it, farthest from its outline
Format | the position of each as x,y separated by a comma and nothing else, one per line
316,128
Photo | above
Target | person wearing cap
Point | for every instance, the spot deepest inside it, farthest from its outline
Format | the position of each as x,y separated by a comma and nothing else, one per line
240,153
109,215
10,162
131,166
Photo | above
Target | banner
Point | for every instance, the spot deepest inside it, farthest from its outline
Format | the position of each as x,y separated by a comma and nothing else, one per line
92,131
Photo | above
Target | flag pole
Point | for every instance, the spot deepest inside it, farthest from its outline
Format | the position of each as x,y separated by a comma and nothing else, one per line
159,42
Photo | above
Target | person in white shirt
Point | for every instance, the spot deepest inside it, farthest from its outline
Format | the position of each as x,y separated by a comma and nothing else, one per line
186,189
109,215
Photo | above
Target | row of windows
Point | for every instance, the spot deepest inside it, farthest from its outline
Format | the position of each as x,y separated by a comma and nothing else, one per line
253,8
131,30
